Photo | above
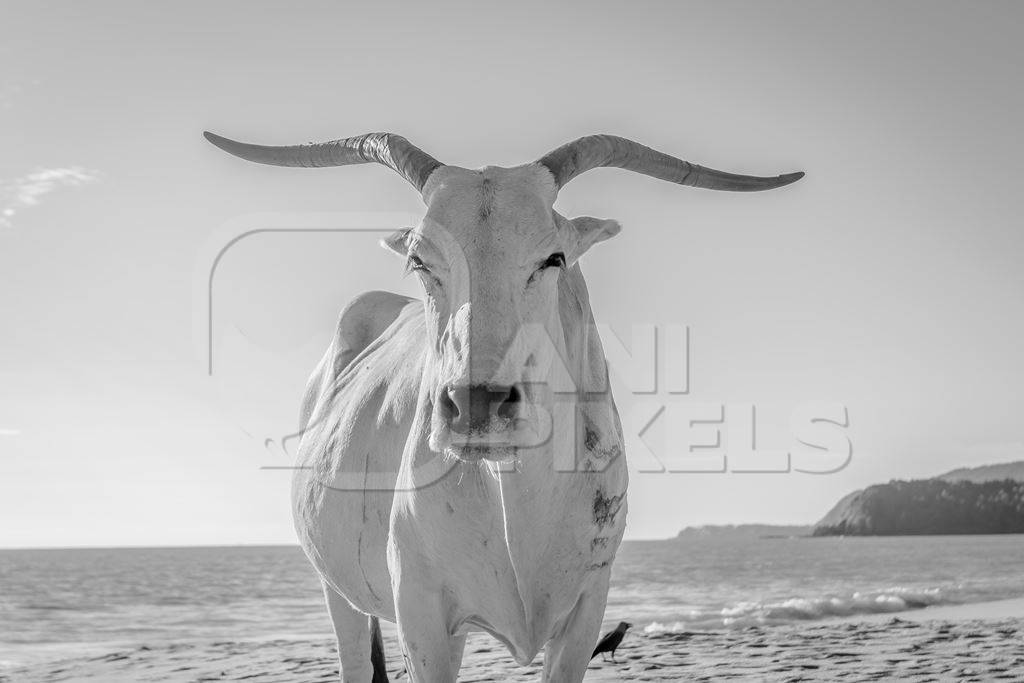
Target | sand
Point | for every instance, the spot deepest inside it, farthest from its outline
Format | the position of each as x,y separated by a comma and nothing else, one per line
983,642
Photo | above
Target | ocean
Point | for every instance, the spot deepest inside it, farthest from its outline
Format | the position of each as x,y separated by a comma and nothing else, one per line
65,603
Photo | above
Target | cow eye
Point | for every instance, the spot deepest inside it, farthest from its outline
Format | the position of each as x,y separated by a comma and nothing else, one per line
556,260
415,263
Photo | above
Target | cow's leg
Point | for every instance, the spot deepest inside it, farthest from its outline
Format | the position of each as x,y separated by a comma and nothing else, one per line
432,654
352,629
567,655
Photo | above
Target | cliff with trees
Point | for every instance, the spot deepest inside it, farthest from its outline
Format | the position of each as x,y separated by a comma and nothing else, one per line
929,506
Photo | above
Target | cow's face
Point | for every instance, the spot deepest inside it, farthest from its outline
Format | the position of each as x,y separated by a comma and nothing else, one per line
489,254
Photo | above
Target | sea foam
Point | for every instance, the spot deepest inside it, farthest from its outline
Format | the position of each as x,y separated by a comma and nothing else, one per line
740,614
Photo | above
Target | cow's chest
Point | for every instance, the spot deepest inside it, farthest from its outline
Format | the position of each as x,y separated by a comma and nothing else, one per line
512,554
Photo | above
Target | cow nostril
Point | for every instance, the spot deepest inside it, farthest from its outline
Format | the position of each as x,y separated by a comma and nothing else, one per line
448,408
509,407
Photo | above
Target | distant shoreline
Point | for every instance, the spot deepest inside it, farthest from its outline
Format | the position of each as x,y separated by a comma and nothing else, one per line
687,533
826,536
199,546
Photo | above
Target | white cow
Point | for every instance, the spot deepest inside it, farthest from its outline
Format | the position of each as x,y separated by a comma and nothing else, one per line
461,465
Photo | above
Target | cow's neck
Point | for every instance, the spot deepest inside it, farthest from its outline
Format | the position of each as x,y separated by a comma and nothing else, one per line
556,504
558,508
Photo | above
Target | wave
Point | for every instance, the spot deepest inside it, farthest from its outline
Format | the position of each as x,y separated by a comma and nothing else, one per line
741,614
56,607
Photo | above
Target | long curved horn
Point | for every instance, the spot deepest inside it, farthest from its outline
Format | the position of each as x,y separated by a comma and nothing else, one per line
389,149
596,151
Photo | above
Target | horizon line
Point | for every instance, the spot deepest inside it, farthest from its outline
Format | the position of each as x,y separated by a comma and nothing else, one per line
178,546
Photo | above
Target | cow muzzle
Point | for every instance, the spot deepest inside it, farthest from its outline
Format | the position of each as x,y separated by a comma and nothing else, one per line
483,421
479,409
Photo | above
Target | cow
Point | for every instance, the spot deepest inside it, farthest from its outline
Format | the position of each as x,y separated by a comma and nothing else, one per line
461,463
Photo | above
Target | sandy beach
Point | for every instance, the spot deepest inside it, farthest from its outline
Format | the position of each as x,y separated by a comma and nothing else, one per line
982,642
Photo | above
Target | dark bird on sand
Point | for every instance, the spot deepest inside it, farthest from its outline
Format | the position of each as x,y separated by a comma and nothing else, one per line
610,641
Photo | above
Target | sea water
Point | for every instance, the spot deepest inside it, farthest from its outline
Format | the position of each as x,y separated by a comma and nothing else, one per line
63,603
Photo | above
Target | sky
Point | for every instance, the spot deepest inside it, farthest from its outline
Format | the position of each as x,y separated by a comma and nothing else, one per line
888,281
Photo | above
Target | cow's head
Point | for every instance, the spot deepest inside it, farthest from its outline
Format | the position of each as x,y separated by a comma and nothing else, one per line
491,254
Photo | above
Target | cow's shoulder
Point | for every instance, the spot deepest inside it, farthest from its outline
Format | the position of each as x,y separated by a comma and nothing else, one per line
365,318
362,322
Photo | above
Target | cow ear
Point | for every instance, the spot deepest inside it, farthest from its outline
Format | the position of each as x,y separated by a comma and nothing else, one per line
398,242
590,231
